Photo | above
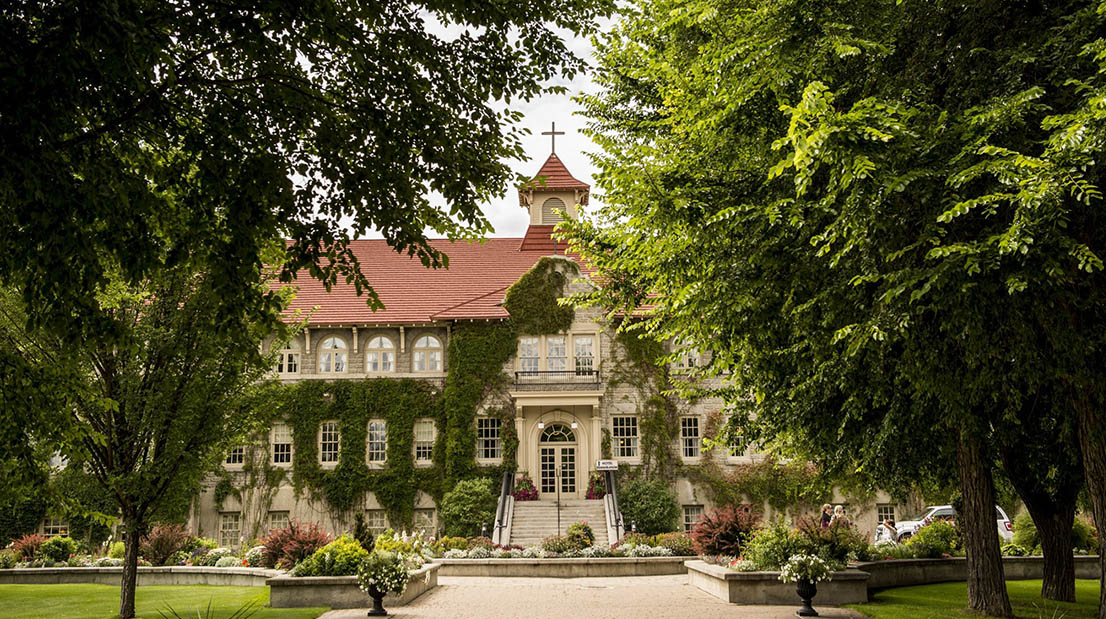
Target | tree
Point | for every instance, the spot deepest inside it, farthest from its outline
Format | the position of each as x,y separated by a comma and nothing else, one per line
147,417
880,215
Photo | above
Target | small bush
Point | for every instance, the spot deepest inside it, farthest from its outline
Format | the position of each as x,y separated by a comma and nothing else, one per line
479,552
7,559
341,557
228,561
772,546
107,562
1083,535
1025,531
650,505
580,535
480,542
27,546
840,542
635,539
935,540
212,557
286,547
725,530
680,544
648,551
525,490
470,505
1014,550
452,543
559,544
597,486
162,542
361,531
116,550
58,549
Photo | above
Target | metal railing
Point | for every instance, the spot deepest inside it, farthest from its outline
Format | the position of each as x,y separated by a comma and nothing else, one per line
506,489
612,490
584,379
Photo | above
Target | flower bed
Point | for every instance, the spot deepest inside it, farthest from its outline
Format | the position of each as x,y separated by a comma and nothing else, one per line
843,587
343,591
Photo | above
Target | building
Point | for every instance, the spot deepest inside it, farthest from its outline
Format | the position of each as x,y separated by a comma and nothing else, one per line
569,393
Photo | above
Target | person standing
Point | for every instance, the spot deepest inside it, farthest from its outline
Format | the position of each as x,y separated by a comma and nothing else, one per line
827,514
838,514
886,532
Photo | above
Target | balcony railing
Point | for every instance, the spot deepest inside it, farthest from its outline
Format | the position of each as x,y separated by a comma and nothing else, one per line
557,379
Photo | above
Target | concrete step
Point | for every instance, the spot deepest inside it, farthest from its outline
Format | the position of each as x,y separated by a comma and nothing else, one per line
533,521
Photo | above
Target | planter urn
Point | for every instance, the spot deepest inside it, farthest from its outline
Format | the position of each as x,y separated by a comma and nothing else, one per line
378,602
806,589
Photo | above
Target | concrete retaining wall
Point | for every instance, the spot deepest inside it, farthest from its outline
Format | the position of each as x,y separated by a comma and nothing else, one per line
175,575
342,591
907,572
564,568
847,587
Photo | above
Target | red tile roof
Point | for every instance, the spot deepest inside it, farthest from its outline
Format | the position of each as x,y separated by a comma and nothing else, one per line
471,288
553,175
540,238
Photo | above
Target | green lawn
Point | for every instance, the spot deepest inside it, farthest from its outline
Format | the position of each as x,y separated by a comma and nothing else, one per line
951,598
102,602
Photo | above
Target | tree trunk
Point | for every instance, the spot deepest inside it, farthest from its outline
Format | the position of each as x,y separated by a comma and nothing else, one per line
1092,439
986,581
1054,531
130,569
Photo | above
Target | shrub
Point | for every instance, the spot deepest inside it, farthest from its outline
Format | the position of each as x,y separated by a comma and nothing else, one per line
7,559
212,557
480,542
742,565
452,543
162,542
597,486
341,557
556,543
525,490
772,546
1083,536
470,505
27,546
580,535
179,557
227,561
414,549
384,571
888,550
1014,550
650,505
361,531
935,540
840,542
286,547
725,530
116,550
648,551
57,549
635,539
255,555
480,552
1025,531
679,543
594,552
107,562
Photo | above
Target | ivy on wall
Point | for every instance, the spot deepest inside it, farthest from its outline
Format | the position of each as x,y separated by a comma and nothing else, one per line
532,301
658,414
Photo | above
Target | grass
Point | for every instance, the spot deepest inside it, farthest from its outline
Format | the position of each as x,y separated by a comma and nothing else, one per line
102,602
950,600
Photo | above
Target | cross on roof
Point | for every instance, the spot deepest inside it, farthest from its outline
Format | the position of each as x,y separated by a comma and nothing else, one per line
553,133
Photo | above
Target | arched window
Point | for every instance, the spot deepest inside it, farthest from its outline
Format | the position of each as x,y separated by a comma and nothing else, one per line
381,355
332,356
558,433
550,211
288,361
428,354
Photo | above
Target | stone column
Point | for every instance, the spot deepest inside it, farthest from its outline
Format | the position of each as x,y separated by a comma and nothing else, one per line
597,432
523,445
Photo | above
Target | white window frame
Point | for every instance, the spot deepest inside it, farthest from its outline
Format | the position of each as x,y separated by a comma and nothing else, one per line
327,428
688,358
691,446
428,355
236,457
529,355
224,519
283,516
577,358
619,434
556,362
288,360
281,430
376,436
692,515
376,520
485,425
54,526
428,528
333,356
424,443
381,353
881,512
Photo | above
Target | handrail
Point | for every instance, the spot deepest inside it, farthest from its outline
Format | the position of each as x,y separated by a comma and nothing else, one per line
612,490
588,379
506,488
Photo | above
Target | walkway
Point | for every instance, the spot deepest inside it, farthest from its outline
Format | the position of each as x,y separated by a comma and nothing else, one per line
650,597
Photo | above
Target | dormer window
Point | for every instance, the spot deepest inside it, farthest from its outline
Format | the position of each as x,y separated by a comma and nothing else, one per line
551,211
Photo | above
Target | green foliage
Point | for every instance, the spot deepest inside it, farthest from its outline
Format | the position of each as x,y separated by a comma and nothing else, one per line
783,485
935,540
116,550
1014,550
468,506
650,505
532,301
384,571
88,503
451,543
20,514
341,557
772,546
840,542
286,547
724,531
1083,535
164,541
8,559
639,366
680,544
57,549
580,535
361,531
1025,531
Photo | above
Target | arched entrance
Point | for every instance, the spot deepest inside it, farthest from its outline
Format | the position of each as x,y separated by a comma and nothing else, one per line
557,450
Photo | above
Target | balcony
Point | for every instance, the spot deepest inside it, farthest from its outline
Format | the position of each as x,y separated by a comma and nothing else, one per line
558,380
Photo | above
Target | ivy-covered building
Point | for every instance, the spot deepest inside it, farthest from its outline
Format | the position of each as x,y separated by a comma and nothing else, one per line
475,370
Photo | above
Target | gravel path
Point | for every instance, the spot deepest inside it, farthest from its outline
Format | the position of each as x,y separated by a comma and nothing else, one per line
647,597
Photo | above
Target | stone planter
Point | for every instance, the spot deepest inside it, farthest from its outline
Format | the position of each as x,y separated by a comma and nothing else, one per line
847,586
564,568
168,575
342,591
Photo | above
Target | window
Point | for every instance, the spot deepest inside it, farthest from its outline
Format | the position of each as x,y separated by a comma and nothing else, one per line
330,441
332,356
424,521
288,361
381,355
689,436
556,354
424,440
281,440
377,441
428,354
692,514
488,445
584,348
528,354
550,211
54,526
686,356
237,455
624,433
230,528
278,521
884,511
376,520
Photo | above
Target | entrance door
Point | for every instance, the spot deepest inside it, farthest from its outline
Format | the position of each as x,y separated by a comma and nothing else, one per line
558,462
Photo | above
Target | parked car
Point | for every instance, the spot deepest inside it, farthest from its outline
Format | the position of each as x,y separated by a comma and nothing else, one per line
907,528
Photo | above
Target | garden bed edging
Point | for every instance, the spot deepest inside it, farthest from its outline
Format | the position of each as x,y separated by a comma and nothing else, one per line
564,567
342,591
168,575
847,587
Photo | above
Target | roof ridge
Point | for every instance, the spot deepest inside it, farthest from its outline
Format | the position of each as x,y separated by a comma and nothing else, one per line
466,302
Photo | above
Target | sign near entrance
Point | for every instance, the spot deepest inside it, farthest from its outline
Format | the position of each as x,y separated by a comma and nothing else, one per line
606,465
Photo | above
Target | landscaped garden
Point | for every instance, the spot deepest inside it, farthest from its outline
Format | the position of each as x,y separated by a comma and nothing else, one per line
948,600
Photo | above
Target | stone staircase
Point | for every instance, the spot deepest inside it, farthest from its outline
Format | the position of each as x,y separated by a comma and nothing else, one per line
534,521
